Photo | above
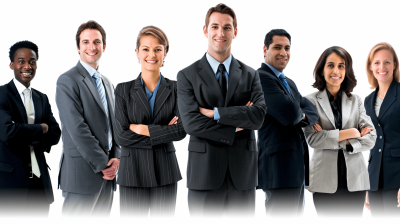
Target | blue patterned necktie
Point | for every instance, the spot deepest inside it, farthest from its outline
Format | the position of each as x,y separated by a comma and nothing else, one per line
283,79
97,79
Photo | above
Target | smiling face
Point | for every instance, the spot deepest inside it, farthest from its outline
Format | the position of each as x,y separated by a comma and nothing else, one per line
278,53
91,47
382,66
151,54
24,65
334,71
220,33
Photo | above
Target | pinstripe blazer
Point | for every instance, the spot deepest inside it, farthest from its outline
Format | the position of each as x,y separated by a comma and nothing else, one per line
147,161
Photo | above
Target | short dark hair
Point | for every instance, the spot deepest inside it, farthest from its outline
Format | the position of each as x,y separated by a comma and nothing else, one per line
275,32
156,33
223,9
23,44
349,81
93,25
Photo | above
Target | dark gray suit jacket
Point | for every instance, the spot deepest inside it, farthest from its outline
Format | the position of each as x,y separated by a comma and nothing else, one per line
147,161
84,131
215,148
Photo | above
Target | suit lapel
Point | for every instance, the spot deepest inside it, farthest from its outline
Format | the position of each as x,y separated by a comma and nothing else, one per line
234,76
37,104
141,95
15,96
88,80
110,99
369,107
326,107
207,74
390,97
266,68
346,109
162,94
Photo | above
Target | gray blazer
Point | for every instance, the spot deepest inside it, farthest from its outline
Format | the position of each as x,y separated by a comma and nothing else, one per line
84,131
323,165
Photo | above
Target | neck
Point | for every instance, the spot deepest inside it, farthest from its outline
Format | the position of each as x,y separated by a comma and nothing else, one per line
383,88
220,56
333,90
150,79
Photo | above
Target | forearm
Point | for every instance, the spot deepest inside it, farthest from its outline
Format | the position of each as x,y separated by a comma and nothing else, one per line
246,117
166,133
325,139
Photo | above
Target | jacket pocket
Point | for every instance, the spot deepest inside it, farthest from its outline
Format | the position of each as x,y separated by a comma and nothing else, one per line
5,167
251,145
197,146
74,153
395,152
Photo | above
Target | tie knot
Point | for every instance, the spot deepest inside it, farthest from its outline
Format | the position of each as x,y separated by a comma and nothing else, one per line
27,92
221,68
97,75
282,76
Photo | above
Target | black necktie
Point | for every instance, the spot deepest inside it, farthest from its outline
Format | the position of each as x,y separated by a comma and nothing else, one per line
222,79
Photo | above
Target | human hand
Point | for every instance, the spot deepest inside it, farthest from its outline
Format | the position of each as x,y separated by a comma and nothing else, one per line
398,198
45,127
140,129
239,129
249,104
365,131
317,128
366,203
206,112
174,120
354,133
110,172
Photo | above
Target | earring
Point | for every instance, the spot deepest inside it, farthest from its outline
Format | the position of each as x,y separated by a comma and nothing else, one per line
138,60
163,63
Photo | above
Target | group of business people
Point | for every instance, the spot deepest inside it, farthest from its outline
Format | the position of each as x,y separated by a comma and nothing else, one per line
219,101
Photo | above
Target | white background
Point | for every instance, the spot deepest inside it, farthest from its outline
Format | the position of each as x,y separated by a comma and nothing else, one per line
313,25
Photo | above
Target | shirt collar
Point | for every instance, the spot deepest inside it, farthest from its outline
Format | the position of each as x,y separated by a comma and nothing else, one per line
89,68
159,80
276,72
214,63
331,98
20,87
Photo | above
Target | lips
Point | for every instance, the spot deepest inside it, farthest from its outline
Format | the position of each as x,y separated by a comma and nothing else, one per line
151,62
219,40
26,74
91,54
335,77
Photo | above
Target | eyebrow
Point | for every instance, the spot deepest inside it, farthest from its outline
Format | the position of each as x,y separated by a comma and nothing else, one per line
155,47
329,62
280,45
24,58
88,40
228,24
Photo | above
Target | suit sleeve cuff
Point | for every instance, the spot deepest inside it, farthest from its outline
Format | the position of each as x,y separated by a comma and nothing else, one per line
216,114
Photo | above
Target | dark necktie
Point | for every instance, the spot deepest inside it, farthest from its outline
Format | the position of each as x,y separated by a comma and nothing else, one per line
222,79
283,79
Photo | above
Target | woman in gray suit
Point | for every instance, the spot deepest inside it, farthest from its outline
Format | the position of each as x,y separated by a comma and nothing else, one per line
338,173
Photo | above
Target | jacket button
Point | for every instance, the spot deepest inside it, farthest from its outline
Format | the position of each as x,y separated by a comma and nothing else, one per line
106,130
379,125
380,137
29,165
380,150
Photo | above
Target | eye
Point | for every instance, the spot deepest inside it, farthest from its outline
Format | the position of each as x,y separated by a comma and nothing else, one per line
376,63
341,66
330,65
158,49
277,48
227,28
145,49
21,61
214,27
32,62
387,62
287,48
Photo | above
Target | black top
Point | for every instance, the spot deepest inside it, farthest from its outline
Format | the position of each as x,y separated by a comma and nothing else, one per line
336,106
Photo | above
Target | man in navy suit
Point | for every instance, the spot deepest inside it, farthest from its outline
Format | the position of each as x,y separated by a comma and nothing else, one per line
283,152
28,129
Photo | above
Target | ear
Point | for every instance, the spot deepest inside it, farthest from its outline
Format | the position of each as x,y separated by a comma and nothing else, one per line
12,65
137,53
104,47
235,33
205,31
265,50
165,54
77,48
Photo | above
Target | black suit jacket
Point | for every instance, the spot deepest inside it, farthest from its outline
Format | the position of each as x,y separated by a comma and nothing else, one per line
283,159
16,135
384,158
147,161
215,148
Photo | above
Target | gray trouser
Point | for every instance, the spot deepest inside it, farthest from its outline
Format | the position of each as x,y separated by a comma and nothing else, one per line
98,204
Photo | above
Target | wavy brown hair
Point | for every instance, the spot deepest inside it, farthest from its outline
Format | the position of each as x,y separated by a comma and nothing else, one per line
349,81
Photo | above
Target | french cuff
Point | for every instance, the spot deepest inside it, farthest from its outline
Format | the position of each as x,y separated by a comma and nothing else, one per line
355,144
342,145
216,114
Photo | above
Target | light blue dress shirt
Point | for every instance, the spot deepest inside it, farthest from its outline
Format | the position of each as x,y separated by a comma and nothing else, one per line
151,96
276,72
214,66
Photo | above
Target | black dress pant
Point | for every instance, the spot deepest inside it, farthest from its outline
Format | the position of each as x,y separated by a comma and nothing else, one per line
224,200
383,203
25,202
284,201
138,201
342,203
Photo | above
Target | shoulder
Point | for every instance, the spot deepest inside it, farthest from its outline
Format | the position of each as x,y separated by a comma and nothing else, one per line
4,91
71,74
368,98
189,69
313,97
105,79
244,67
124,87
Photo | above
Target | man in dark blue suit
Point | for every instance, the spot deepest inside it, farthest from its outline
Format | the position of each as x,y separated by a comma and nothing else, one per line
27,130
283,152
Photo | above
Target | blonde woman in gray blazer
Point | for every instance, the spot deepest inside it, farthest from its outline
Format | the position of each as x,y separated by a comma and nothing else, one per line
338,172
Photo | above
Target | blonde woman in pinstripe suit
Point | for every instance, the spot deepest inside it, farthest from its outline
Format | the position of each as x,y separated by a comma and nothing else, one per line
147,121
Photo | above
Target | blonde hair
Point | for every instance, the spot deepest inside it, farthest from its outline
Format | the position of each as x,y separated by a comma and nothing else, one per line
381,46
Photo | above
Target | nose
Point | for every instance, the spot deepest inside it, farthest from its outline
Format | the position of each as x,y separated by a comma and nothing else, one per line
381,66
27,66
283,52
221,31
336,70
91,46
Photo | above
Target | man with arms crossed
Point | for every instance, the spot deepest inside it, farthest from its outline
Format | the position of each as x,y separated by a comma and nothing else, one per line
221,103
85,100
283,158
